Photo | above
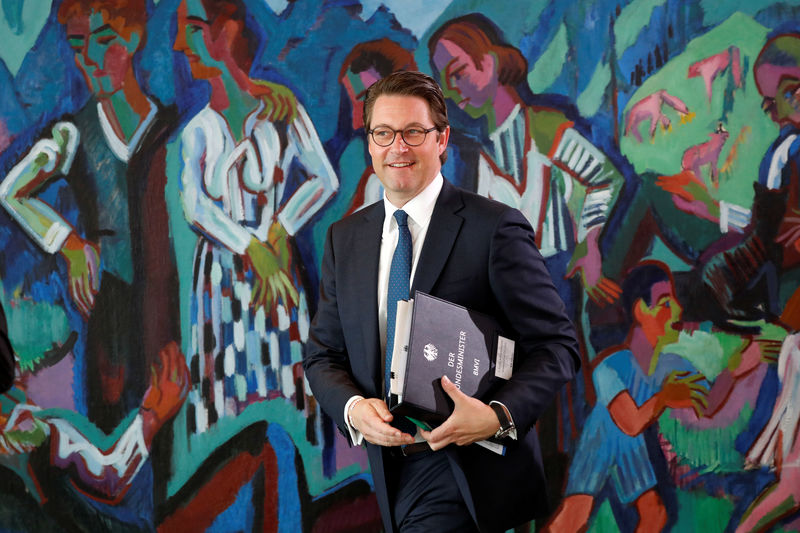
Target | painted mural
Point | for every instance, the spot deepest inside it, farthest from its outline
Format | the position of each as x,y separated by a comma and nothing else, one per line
168,170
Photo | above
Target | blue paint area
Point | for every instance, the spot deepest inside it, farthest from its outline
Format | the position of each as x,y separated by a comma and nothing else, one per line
239,515
289,516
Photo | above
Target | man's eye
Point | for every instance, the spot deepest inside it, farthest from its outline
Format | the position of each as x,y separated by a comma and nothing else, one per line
412,132
382,134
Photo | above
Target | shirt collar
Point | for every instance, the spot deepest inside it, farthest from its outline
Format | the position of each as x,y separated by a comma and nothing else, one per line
419,208
123,150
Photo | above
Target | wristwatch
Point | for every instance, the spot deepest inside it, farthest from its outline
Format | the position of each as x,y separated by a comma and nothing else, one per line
506,425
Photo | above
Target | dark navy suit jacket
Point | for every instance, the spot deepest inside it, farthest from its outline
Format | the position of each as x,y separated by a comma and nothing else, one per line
6,355
480,254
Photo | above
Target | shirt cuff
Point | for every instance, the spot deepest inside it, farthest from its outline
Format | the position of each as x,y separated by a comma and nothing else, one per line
513,433
356,437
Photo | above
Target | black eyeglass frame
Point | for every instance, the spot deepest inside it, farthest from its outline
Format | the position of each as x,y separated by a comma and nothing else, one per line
402,135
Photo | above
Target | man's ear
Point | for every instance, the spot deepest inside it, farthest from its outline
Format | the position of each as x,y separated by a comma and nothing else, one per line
442,140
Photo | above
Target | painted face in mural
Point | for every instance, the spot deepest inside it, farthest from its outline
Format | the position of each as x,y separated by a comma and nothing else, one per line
780,84
356,86
660,318
104,56
469,85
405,170
194,39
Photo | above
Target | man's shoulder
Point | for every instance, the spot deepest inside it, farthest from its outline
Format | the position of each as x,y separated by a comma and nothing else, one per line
359,218
474,201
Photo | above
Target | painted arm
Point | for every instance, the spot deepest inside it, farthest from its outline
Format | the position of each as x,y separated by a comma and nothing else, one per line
47,228
200,147
584,162
320,181
679,389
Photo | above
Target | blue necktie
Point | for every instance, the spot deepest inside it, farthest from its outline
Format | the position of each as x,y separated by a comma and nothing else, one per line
399,281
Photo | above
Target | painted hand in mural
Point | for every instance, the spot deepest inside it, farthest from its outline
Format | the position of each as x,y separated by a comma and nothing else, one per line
587,261
683,389
272,268
690,195
169,387
471,420
281,103
83,263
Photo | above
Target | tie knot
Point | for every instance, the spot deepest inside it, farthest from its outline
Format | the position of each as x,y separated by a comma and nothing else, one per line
401,217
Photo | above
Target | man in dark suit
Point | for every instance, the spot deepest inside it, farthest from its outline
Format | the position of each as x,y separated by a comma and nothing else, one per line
466,249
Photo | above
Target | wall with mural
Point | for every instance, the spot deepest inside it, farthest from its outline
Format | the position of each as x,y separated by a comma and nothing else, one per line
168,170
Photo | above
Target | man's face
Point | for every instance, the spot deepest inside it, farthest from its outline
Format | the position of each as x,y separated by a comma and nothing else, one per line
104,56
356,86
405,170
468,86
195,41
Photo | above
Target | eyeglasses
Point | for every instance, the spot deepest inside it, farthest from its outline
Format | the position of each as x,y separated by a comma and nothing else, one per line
413,136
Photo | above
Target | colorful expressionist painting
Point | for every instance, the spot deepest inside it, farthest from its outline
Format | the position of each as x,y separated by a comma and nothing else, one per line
168,171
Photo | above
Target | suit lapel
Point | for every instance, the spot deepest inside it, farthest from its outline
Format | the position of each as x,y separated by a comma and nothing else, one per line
366,255
442,233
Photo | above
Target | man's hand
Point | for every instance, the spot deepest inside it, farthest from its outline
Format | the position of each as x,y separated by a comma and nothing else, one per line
471,421
83,263
371,417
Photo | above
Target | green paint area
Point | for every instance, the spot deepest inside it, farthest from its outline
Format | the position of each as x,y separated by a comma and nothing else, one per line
715,11
20,23
751,131
603,520
631,21
592,97
709,450
32,344
548,67
701,512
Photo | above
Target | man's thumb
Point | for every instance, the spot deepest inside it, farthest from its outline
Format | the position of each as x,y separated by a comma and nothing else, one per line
451,389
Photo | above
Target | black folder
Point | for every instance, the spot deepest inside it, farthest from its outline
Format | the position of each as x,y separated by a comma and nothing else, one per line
445,339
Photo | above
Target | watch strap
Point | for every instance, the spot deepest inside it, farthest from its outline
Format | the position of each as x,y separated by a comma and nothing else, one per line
505,423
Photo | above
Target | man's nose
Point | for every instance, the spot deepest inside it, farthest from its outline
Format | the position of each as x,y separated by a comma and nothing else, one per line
399,143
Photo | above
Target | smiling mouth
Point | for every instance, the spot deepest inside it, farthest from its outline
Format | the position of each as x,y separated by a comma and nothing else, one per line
399,165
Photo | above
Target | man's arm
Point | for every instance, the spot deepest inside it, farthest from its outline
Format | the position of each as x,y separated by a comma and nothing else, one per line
547,352
327,366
